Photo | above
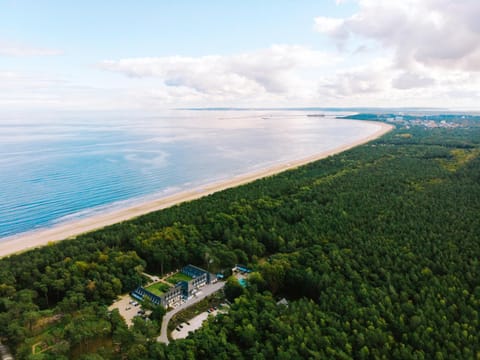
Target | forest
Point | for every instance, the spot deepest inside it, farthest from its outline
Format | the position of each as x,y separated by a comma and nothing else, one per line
376,249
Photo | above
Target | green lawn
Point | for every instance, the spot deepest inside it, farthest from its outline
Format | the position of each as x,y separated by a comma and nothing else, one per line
178,277
158,288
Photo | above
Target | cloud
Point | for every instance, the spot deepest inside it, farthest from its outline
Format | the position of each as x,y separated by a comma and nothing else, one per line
35,90
16,50
434,33
331,26
360,81
276,70
356,83
409,80
380,83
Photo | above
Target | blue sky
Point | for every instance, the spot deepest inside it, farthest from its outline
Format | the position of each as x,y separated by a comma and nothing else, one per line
159,28
163,54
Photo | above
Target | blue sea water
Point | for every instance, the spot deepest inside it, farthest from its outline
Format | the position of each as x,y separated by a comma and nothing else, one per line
61,167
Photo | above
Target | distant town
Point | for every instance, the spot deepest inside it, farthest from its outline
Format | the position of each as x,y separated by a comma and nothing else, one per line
427,121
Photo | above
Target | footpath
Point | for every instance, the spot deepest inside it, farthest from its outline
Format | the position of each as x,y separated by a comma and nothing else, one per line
5,353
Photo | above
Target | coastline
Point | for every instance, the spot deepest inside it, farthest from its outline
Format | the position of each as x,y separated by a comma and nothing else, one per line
37,238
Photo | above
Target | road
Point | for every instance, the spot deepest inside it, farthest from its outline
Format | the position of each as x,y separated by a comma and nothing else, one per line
206,291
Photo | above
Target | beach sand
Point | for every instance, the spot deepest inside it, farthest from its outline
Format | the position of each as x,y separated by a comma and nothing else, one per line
37,238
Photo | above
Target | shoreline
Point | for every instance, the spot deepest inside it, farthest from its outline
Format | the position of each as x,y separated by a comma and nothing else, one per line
37,238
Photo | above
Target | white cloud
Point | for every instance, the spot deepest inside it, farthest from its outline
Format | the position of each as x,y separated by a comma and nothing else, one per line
41,91
429,52
331,26
410,80
278,70
18,50
359,82
353,83
436,33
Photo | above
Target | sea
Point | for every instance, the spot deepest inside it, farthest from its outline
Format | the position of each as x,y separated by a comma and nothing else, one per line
60,167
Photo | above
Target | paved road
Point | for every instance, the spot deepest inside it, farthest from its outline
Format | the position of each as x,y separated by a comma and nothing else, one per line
206,291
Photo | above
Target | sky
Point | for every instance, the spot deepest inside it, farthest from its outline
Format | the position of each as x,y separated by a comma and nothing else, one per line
159,54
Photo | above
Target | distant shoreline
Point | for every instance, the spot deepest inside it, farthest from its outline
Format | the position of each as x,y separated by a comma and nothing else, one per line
37,238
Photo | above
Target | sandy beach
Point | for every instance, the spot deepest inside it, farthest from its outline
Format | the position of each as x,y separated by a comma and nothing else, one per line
63,231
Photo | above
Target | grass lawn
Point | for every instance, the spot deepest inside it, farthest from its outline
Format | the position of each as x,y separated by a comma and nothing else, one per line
175,278
158,288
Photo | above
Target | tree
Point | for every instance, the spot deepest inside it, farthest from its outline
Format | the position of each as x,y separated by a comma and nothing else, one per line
233,289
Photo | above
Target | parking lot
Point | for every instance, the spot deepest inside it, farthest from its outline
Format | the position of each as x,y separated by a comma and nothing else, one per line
126,309
206,291
193,324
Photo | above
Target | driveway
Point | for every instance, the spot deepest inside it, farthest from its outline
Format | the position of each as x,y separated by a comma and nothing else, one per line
206,291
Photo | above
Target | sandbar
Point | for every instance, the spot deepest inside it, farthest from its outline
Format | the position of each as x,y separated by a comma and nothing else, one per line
42,237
